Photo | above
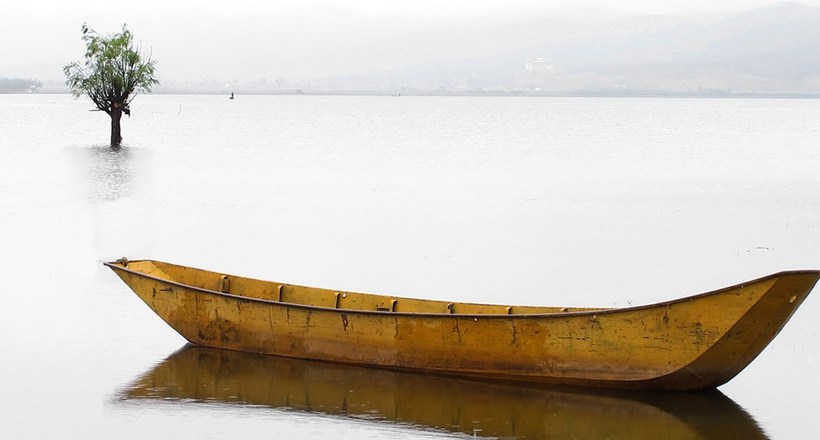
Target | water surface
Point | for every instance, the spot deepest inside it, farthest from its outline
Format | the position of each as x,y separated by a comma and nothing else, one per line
551,201
202,375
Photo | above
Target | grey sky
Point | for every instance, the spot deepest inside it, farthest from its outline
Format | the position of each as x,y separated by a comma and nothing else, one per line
220,40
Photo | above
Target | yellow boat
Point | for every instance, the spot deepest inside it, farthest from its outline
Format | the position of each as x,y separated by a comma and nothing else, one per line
510,411
698,342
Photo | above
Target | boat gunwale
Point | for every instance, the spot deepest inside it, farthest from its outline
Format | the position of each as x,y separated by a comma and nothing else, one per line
117,265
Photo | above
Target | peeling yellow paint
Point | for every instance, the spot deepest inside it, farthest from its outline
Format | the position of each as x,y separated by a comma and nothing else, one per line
692,343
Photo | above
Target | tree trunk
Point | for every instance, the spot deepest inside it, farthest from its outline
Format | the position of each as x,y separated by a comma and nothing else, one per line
116,135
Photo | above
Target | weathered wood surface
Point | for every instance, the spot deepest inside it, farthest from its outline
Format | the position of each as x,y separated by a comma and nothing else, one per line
697,342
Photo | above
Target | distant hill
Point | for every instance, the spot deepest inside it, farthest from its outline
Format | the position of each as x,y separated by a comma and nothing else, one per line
17,85
770,50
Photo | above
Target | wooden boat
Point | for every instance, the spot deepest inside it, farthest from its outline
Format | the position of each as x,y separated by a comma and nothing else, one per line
698,342
202,375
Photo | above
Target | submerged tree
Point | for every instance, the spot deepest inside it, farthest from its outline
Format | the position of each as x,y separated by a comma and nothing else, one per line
112,74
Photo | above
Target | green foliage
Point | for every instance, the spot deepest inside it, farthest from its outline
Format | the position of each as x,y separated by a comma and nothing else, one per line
113,71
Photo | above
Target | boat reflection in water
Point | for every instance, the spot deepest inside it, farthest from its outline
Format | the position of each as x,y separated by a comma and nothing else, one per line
483,409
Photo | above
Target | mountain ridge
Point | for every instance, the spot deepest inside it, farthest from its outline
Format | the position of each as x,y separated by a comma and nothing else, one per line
771,49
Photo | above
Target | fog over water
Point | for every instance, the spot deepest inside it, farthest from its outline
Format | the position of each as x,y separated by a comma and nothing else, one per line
568,201
427,46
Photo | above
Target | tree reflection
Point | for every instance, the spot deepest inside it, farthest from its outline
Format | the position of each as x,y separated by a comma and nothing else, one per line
112,172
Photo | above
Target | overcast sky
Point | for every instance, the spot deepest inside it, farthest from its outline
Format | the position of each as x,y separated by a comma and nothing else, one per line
223,39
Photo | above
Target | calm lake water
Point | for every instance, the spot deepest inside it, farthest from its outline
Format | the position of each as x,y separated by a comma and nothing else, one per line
550,201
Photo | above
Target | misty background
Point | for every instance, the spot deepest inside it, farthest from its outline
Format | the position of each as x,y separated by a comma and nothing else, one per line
520,46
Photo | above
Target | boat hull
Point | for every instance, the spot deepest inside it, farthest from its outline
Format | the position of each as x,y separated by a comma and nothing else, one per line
693,343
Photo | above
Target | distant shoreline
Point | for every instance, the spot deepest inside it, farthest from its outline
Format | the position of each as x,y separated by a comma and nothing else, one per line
473,93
